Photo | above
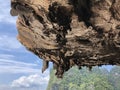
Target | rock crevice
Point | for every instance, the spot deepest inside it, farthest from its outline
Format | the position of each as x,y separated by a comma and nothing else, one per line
70,32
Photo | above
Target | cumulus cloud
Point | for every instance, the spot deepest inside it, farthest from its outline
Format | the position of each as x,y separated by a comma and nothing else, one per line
8,43
4,12
35,80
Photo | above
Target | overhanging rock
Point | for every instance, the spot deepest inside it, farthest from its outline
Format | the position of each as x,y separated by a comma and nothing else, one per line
70,32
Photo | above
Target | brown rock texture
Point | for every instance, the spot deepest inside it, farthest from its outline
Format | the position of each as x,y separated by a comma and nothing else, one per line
70,32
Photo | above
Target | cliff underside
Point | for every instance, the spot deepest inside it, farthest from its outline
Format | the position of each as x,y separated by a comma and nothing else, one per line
70,32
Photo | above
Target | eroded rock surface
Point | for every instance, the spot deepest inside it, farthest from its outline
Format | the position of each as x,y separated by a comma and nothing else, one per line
70,32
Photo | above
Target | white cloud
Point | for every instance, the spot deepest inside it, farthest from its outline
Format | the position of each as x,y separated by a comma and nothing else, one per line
7,87
12,66
8,43
6,56
35,80
5,12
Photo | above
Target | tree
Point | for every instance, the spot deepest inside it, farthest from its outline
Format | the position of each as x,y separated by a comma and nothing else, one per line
84,79
114,77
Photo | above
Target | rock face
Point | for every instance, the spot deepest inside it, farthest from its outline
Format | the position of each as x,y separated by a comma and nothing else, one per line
70,32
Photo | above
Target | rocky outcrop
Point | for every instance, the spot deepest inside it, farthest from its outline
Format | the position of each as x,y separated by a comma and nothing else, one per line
70,32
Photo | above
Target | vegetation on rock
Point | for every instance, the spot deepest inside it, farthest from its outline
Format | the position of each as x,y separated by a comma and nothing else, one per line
96,79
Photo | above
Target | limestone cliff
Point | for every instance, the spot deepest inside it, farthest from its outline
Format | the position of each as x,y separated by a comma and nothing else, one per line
70,32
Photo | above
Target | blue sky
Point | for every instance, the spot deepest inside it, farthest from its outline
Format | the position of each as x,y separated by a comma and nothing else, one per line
19,68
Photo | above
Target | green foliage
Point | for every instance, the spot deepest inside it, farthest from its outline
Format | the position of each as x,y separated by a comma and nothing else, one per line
97,79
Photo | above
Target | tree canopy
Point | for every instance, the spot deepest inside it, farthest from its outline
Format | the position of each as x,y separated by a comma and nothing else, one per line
96,79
